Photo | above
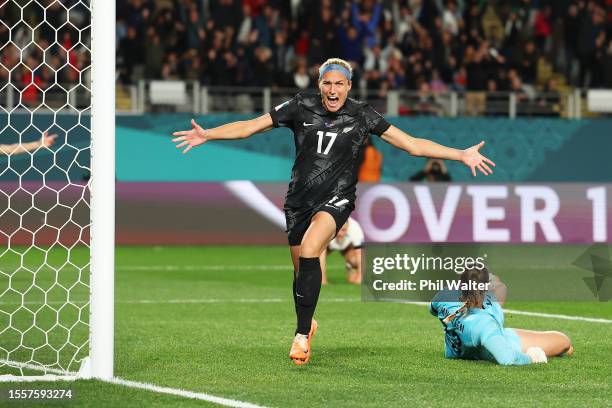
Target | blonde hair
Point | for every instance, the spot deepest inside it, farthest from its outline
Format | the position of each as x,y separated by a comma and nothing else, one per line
337,61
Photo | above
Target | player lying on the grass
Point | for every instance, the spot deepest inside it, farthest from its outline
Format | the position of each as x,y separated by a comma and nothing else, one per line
348,242
329,133
17,148
473,323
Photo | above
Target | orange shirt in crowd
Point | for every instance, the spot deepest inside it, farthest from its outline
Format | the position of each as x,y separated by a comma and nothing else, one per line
371,167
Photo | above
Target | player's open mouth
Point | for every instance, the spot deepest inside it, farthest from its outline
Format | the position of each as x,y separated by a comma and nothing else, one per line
333,101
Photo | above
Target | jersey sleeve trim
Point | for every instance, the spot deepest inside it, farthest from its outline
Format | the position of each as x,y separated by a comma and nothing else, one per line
284,114
381,127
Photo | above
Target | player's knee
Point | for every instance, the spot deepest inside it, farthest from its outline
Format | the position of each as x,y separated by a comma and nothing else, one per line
310,250
564,340
353,261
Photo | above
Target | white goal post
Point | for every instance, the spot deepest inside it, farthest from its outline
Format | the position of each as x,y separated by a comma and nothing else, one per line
102,189
57,204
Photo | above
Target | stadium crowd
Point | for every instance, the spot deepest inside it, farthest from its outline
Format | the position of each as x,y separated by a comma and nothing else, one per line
45,49
428,46
424,45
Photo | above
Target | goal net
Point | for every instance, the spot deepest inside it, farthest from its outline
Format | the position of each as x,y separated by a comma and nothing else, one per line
52,304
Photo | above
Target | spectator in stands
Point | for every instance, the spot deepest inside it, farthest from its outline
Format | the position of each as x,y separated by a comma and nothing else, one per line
154,54
528,63
350,44
549,100
427,103
475,98
31,82
437,85
301,78
543,28
571,27
451,18
194,29
263,68
592,19
365,20
370,168
323,34
131,54
495,105
434,171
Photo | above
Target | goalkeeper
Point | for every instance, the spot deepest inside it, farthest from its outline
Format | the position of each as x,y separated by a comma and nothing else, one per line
474,327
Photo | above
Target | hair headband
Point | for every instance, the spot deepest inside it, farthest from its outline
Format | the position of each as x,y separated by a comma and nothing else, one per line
335,67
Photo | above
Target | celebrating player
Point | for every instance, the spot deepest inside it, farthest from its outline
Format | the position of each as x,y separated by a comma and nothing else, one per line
17,148
348,242
474,326
329,132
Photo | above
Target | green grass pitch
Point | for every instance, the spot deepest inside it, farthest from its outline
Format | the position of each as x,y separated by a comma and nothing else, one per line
220,320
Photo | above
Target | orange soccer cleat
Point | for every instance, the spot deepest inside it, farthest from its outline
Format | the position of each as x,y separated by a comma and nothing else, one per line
300,349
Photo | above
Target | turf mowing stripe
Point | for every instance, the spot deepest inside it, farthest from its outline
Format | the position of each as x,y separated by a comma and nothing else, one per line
275,267
182,393
331,300
149,268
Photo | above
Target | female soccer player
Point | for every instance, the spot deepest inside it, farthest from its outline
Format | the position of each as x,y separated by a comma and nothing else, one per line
473,323
348,241
329,132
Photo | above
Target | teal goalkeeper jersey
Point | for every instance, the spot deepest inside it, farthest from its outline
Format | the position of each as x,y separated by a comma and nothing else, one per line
479,334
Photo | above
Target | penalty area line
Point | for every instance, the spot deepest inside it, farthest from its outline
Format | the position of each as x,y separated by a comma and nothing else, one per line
342,300
559,316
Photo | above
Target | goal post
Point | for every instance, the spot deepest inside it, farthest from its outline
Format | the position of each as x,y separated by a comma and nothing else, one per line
102,188
57,203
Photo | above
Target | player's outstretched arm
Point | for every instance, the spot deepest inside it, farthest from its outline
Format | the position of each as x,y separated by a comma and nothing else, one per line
471,157
235,130
46,140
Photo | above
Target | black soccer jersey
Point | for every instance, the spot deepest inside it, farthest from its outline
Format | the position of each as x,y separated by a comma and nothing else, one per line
328,145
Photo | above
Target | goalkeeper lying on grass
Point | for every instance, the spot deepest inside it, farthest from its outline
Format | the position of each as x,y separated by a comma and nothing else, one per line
473,323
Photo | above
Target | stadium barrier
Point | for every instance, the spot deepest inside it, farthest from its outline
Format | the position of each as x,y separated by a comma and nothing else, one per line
191,96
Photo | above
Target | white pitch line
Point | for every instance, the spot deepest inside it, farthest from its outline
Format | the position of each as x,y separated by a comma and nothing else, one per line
72,376
183,393
559,316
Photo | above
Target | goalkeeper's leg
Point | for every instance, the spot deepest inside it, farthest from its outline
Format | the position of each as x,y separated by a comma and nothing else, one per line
553,343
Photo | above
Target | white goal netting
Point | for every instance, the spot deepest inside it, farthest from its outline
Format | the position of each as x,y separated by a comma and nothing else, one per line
44,186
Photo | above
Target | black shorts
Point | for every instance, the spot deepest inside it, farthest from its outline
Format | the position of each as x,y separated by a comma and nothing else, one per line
298,220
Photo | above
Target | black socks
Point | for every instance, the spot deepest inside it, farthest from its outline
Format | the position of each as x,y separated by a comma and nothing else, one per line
307,287
294,289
